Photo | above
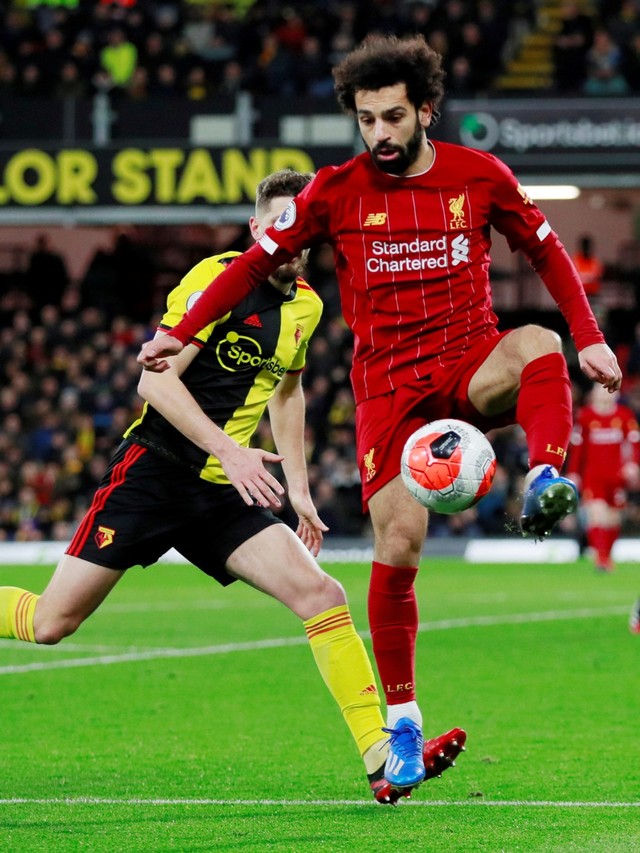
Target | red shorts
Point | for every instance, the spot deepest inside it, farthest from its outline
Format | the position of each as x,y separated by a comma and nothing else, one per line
383,424
612,492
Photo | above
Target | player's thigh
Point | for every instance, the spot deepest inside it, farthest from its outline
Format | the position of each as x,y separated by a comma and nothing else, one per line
399,524
495,385
277,563
75,590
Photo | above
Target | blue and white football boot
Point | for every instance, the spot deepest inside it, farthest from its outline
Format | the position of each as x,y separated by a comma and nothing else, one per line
404,767
548,498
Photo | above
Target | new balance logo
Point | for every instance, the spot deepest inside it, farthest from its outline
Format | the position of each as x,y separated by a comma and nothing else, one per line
370,689
375,219
253,320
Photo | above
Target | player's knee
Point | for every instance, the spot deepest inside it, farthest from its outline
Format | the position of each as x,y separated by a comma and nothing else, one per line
542,341
327,593
399,542
50,630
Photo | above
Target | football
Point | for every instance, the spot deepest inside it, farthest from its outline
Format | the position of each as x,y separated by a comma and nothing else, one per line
448,465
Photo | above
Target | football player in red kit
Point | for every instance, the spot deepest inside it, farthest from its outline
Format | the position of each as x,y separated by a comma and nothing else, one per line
603,461
410,224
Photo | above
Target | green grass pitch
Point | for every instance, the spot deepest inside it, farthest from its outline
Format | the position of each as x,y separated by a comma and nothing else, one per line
184,717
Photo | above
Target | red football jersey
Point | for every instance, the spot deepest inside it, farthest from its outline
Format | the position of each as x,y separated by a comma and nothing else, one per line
412,259
602,443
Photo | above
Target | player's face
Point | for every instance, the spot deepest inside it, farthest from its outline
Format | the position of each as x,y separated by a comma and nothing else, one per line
392,130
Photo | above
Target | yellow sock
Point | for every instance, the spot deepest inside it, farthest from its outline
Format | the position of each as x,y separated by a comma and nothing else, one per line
17,609
343,663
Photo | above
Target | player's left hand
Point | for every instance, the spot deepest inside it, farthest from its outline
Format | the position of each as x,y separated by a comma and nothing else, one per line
310,527
151,356
599,364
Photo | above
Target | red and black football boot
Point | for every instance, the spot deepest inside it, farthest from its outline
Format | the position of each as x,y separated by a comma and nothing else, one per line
439,754
383,791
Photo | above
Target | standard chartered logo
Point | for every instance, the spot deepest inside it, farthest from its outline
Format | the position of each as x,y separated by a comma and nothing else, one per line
459,250
479,130
238,352
418,255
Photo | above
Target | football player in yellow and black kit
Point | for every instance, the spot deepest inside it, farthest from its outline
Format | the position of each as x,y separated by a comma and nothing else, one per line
185,477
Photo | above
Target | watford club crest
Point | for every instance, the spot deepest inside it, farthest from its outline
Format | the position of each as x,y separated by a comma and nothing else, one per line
104,536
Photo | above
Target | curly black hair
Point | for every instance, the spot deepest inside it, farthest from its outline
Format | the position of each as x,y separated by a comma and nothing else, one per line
386,60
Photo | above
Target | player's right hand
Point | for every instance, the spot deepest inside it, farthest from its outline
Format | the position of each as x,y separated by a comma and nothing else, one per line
245,468
151,356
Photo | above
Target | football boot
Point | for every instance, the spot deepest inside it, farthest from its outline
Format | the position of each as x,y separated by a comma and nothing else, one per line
548,499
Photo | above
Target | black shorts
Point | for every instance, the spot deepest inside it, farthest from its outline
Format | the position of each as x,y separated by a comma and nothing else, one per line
147,504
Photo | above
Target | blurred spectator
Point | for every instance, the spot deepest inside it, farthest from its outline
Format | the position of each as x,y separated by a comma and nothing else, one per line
197,86
630,63
119,57
46,276
274,70
165,81
70,84
30,82
604,67
461,81
138,86
313,72
589,266
571,46
623,24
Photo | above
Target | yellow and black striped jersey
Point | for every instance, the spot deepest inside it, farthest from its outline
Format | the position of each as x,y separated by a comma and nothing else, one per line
243,357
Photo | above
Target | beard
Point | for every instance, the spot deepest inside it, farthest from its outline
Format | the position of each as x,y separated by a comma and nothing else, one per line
407,154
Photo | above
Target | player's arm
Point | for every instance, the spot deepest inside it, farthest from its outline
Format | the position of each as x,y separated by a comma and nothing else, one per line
244,466
287,416
526,228
299,227
554,266
230,287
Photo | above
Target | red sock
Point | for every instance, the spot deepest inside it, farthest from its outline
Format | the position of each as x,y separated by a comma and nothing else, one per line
393,620
611,534
544,409
597,537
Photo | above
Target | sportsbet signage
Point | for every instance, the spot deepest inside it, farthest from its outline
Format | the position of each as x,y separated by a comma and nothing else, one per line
546,135
132,177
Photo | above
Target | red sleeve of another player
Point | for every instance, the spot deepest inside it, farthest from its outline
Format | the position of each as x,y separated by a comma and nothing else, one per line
283,241
227,291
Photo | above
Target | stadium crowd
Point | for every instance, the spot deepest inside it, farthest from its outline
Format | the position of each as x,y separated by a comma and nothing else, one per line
69,379
199,50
